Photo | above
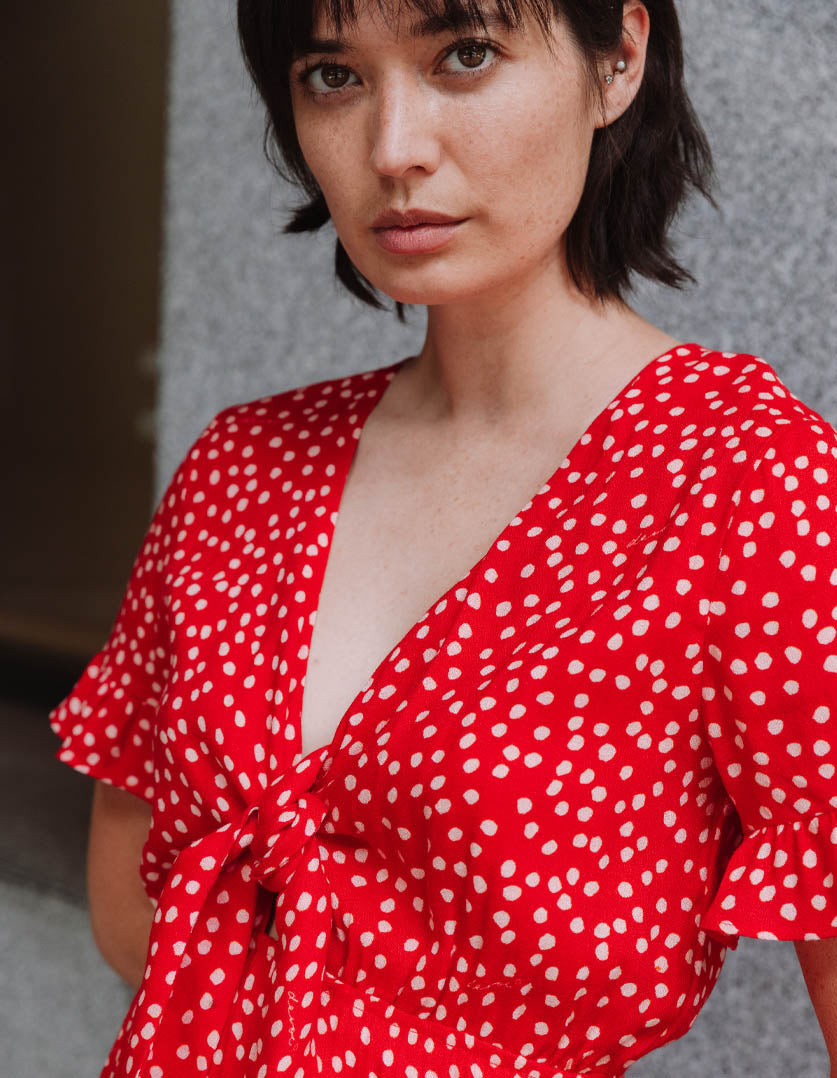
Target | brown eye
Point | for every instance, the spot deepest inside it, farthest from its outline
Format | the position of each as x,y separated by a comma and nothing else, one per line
332,75
474,54
333,78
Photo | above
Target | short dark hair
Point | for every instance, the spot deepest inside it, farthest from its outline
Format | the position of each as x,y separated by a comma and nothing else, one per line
642,166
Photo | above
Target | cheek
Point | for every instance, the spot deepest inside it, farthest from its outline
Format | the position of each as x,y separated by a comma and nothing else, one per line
533,158
327,153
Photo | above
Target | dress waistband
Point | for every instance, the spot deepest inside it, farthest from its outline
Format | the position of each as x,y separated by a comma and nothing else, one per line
364,1034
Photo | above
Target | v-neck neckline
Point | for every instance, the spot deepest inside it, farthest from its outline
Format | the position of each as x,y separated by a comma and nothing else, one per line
374,394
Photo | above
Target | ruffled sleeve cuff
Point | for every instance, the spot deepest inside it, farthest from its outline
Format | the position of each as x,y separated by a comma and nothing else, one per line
779,884
105,732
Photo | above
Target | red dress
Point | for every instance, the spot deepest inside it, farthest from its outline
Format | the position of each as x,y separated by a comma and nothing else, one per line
599,757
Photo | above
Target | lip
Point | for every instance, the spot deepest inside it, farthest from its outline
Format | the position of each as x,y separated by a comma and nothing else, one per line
418,239
410,218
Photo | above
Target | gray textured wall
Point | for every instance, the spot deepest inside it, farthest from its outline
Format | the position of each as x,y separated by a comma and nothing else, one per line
248,311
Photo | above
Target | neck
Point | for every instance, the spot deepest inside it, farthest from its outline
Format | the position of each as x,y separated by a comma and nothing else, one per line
486,362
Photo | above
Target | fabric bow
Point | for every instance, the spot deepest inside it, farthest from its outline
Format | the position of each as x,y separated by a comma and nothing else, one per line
212,902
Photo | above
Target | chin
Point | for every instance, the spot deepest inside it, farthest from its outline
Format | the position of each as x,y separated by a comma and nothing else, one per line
426,297
427,279
429,285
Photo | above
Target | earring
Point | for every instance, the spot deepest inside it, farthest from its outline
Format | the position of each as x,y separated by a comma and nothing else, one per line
621,67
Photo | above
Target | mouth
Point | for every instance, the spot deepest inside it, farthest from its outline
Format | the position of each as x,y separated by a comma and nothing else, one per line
419,224
417,238
415,216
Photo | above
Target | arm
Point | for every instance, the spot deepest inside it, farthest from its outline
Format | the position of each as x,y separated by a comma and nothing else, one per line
818,959
120,911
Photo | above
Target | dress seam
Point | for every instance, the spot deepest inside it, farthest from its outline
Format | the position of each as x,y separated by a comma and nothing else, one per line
796,825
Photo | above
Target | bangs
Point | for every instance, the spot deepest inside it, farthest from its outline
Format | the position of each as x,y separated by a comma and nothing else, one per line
423,17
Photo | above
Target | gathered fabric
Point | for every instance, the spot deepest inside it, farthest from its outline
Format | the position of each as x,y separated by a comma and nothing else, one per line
214,882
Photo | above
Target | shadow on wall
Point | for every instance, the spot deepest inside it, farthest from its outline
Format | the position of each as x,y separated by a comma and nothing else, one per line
83,139
83,177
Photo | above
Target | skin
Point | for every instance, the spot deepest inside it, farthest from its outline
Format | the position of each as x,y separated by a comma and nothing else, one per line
818,960
120,911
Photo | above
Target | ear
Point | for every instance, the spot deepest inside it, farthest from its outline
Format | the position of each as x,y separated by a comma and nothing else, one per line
618,94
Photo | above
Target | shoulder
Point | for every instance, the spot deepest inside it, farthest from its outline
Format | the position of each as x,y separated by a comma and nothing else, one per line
256,463
750,414
773,464
278,426
744,388
305,404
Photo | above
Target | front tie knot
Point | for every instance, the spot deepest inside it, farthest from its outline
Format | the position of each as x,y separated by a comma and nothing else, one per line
276,831
189,1017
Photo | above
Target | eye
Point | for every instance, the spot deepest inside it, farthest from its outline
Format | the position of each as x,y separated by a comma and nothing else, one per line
333,76
328,72
474,51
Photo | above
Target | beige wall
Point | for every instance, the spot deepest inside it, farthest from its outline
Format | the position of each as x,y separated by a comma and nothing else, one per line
82,131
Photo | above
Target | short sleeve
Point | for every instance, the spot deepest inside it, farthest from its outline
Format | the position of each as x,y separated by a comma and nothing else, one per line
106,722
770,690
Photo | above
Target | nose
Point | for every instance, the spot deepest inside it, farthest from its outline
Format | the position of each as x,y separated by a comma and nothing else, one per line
404,127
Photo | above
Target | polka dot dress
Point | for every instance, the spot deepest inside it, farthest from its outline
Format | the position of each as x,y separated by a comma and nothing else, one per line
601,756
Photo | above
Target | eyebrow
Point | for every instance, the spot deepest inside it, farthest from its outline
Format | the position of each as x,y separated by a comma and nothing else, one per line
431,26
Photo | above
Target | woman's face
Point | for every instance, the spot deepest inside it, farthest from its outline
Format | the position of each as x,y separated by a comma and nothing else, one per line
496,132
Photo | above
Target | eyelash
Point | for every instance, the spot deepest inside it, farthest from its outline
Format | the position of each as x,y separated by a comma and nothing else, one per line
476,72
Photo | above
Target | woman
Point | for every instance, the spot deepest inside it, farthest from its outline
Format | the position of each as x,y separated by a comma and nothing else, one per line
565,728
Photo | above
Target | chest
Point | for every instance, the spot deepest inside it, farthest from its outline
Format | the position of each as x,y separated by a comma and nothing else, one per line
403,537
